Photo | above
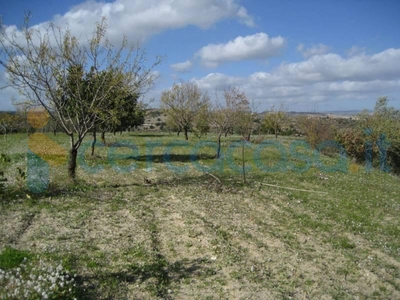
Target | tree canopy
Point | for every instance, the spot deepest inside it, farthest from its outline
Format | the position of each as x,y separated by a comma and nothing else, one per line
80,83
183,103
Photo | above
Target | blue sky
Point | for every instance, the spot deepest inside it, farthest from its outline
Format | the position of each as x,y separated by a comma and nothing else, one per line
310,55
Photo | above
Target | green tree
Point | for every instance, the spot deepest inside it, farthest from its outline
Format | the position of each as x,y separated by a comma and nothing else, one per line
47,65
201,125
171,125
9,122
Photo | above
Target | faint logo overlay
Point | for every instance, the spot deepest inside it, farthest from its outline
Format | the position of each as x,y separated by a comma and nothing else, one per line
44,153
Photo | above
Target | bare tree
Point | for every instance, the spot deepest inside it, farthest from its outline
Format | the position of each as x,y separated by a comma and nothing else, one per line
225,115
316,129
48,65
274,119
183,103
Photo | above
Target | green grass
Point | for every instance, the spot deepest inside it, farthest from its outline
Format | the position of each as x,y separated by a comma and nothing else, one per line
11,258
142,224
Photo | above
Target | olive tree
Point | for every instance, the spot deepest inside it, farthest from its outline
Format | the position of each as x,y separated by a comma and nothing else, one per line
61,73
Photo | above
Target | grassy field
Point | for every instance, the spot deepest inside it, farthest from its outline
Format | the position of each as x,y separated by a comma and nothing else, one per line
163,219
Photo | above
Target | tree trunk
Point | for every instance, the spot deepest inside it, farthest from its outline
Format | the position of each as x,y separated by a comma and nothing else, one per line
243,163
219,145
226,133
94,141
177,134
73,154
103,137
186,134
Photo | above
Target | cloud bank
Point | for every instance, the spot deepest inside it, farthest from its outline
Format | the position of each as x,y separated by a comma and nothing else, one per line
257,46
320,78
182,67
139,20
313,50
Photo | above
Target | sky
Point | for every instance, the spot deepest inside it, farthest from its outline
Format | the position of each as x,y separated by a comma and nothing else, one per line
308,55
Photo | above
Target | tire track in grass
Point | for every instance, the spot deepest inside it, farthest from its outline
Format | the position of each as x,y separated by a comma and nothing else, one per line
26,222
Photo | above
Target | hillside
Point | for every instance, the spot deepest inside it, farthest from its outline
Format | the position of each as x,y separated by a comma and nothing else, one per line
181,227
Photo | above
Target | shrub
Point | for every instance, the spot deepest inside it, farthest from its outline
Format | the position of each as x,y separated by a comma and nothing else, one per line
376,137
316,130
354,142
4,159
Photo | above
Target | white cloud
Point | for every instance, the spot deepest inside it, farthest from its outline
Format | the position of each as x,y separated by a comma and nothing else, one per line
244,17
182,67
355,50
257,46
329,67
7,94
218,82
141,19
313,50
320,78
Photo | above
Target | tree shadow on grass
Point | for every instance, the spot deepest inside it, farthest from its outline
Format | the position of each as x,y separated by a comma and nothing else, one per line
148,135
160,158
157,276
169,158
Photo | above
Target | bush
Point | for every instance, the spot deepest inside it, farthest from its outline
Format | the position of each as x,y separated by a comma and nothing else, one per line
316,130
393,156
4,159
289,131
353,141
375,138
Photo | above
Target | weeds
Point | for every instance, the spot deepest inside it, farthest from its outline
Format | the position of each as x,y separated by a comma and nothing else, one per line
24,277
296,233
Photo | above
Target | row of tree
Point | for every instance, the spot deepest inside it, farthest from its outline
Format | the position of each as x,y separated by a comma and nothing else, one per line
189,109
90,86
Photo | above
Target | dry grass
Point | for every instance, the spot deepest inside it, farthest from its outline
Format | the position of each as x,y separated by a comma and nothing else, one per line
188,236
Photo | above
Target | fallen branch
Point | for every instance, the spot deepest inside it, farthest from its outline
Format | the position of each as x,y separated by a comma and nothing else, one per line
293,189
215,177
